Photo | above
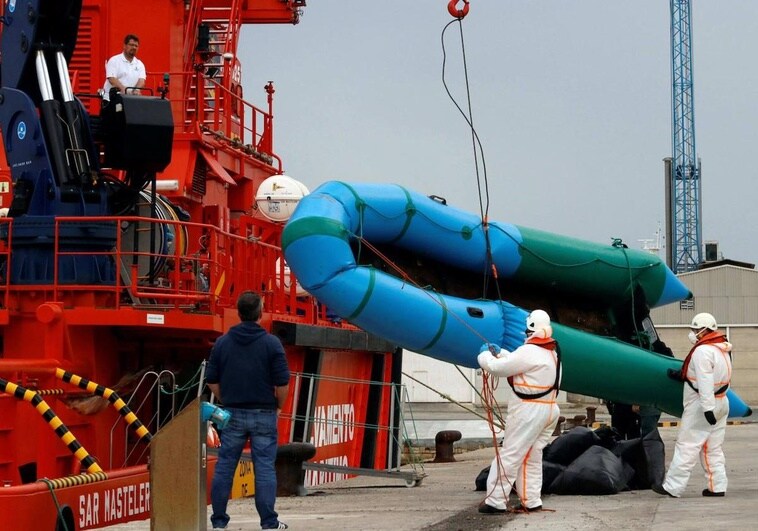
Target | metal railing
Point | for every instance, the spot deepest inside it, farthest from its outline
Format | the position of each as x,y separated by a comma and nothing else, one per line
202,277
307,427
150,386
205,105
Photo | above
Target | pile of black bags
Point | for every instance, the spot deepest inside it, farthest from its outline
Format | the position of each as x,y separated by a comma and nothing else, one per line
583,461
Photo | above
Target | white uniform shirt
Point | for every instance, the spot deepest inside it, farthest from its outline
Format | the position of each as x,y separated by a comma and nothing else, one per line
128,73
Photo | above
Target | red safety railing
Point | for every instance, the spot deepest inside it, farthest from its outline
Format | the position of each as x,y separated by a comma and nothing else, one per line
208,106
205,276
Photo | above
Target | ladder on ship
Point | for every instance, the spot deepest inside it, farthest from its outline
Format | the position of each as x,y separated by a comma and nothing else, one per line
212,31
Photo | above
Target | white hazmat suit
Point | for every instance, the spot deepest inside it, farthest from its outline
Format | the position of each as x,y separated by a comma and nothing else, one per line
529,422
709,370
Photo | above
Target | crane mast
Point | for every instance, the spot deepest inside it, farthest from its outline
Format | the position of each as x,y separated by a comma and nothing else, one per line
684,191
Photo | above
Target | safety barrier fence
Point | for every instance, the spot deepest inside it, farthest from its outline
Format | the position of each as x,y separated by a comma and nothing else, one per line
210,101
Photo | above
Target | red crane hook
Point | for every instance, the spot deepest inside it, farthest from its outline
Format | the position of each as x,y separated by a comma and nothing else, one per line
455,12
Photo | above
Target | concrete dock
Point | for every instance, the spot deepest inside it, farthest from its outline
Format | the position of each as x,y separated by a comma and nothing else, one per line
446,498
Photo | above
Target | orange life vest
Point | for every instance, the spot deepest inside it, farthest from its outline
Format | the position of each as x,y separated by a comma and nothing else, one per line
708,339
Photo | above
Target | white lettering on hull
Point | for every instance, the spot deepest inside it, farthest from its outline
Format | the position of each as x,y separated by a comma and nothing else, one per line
120,503
318,477
333,424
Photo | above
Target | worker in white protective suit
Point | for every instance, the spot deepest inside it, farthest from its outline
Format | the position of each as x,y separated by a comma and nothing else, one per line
533,372
706,372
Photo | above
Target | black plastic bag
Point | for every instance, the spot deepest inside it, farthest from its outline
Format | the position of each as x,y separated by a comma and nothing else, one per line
550,471
597,471
647,457
633,456
609,436
629,474
566,448
655,455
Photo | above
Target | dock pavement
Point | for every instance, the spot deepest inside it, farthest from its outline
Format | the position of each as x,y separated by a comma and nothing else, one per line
446,498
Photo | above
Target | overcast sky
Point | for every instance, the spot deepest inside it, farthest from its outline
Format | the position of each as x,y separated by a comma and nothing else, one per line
571,100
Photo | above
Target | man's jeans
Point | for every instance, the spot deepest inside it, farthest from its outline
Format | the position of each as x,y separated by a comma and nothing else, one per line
260,426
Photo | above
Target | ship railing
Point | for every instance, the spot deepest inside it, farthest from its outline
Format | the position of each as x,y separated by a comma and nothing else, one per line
216,107
191,267
147,396
311,422
193,17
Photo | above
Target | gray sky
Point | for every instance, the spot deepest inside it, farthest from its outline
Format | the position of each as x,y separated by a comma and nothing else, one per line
571,101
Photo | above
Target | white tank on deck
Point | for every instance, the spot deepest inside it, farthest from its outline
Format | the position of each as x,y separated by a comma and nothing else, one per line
278,196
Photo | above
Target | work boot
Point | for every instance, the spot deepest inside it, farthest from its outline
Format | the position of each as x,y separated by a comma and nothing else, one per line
489,509
522,509
711,494
660,490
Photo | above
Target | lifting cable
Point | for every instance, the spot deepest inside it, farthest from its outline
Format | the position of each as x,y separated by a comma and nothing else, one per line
638,336
482,183
488,388
489,383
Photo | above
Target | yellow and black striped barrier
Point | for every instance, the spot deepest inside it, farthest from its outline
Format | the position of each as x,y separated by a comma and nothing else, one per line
56,423
112,397
73,481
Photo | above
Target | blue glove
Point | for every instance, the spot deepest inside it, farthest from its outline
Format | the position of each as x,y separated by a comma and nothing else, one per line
492,347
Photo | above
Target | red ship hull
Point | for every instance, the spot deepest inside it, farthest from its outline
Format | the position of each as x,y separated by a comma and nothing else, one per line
144,331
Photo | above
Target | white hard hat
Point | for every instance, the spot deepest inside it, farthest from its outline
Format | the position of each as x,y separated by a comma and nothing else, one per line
538,320
704,320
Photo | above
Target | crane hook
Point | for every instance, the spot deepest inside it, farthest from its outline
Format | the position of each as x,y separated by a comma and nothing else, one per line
455,12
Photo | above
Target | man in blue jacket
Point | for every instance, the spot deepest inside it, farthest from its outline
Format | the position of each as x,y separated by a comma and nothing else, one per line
248,372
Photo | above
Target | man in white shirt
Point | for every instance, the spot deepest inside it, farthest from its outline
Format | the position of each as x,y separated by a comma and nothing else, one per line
124,71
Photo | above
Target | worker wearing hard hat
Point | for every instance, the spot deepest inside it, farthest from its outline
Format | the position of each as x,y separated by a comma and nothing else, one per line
533,372
706,373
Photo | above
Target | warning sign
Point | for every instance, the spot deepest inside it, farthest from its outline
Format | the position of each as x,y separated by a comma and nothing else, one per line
244,480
